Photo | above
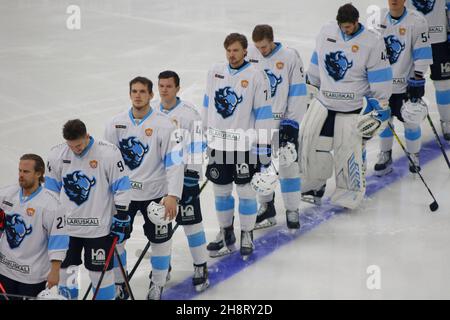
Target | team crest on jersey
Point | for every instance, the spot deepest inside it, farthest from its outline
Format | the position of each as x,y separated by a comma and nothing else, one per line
78,186
226,101
279,65
337,64
355,48
133,151
16,230
402,31
274,82
244,83
148,132
424,6
394,48
30,212
93,164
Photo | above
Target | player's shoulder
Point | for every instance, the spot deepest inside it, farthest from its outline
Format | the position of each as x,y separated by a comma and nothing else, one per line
291,53
105,148
163,121
119,117
189,107
218,67
58,150
371,38
416,17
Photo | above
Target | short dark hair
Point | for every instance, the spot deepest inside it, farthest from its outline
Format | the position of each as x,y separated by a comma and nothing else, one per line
144,81
170,74
235,37
74,129
347,13
39,165
261,32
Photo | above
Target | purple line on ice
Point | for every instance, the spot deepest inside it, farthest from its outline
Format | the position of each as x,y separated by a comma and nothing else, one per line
310,218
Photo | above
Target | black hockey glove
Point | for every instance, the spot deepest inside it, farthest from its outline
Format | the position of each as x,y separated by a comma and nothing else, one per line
121,226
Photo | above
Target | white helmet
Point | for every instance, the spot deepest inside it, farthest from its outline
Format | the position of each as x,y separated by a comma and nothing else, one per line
414,112
264,183
156,212
287,154
48,294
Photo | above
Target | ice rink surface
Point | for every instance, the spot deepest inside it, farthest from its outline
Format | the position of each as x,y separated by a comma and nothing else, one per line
50,74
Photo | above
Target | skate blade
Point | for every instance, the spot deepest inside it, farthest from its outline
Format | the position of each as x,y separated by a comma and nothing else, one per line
265,224
222,252
311,200
202,287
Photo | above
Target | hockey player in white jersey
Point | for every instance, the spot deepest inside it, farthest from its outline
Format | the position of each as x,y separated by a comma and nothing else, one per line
237,115
153,155
92,181
34,242
284,69
405,33
437,14
348,64
189,127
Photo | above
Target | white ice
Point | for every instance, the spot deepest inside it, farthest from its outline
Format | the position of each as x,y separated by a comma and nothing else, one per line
50,74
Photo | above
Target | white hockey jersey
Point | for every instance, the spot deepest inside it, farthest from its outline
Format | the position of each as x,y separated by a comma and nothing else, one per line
237,110
435,14
347,68
408,46
150,151
284,68
189,127
91,186
34,234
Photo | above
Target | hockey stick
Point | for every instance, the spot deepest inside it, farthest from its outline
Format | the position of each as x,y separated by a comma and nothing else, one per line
108,261
2,289
124,275
434,205
438,140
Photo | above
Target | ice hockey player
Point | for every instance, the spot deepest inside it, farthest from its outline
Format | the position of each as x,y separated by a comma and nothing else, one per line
437,14
90,177
34,241
153,156
348,64
405,33
189,127
237,116
284,69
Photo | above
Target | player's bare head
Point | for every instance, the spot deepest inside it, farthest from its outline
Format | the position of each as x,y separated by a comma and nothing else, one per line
262,36
261,32
76,136
31,169
143,80
236,49
396,4
235,37
141,92
347,18
168,86
168,74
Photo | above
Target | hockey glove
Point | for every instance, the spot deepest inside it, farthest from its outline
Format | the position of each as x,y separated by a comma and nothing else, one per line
416,89
2,220
373,119
121,226
263,154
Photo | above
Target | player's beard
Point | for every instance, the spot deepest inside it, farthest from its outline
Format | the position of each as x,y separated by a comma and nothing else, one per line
24,184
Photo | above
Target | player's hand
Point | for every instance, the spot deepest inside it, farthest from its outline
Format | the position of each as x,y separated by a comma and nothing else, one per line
53,278
171,204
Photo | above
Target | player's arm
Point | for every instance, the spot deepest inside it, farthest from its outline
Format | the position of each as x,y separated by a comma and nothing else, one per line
110,134
58,242
296,104
172,157
422,57
195,143
264,122
206,98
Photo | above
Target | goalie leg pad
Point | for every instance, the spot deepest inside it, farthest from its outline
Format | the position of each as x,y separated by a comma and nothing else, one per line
308,140
350,179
